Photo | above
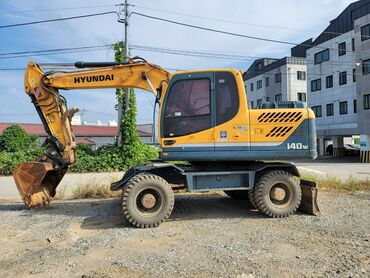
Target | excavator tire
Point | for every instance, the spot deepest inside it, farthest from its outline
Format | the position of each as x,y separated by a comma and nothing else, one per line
147,200
277,194
251,198
237,194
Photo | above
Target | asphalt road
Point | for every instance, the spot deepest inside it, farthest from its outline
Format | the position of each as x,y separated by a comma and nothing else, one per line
341,168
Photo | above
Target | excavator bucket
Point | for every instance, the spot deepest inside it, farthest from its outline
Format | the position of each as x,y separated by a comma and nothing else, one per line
36,182
309,198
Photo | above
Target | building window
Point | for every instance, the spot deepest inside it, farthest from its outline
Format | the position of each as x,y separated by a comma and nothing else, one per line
355,106
317,110
301,75
315,85
353,44
267,99
252,104
259,66
343,78
259,102
252,85
342,49
267,81
279,97
343,107
330,109
278,77
366,67
365,32
259,84
322,56
354,75
367,102
302,97
329,81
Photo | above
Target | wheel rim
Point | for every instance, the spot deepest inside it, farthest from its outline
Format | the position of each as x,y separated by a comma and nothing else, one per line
280,194
149,201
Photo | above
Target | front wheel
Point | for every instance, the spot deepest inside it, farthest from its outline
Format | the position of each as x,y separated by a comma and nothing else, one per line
277,194
147,200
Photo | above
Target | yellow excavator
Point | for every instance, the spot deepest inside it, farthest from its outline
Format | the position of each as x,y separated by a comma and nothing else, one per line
204,120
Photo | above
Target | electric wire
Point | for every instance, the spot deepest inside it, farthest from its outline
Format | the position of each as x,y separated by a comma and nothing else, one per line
232,21
57,19
57,9
236,34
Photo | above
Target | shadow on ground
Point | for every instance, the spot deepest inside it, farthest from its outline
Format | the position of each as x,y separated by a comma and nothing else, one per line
107,213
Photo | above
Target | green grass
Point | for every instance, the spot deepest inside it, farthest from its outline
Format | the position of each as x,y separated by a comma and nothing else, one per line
94,190
333,183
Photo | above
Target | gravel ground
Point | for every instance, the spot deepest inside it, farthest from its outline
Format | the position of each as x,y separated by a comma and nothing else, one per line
208,235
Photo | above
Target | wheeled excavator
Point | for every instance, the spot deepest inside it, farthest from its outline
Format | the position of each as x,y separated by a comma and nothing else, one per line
204,123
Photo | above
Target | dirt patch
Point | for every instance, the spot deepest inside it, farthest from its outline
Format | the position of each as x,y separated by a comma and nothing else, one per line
207,235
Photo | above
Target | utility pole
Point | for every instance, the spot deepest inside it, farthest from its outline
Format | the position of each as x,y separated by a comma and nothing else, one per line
126,104
127,93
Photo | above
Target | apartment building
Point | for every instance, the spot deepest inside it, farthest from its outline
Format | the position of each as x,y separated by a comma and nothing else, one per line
338,70
276,80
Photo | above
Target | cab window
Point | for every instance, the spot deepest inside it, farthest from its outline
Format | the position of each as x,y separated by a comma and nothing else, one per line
227,98
188,107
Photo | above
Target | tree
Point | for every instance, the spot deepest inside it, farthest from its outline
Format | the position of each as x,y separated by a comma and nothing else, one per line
129,144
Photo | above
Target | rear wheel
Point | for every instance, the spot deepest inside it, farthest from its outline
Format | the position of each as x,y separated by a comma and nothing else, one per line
237,194
277,194
147,200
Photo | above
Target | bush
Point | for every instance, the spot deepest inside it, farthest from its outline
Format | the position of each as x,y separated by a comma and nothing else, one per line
17,147
110,158
8,160
15,139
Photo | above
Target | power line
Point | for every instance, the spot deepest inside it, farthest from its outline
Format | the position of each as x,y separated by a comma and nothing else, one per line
57,19
237,34
193,53
212,55
52,50
52,53
234,22
60,9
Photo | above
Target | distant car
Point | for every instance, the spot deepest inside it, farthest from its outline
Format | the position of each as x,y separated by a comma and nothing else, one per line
352,149
349,149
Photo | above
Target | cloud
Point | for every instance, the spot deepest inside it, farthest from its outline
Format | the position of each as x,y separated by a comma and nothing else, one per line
289,20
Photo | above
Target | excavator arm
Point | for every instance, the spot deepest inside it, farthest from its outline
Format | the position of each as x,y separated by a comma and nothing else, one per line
37,181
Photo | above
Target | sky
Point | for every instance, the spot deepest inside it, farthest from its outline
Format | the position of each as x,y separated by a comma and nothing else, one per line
288,20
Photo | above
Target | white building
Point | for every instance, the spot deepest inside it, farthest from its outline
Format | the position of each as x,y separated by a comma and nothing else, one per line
334,67
276,80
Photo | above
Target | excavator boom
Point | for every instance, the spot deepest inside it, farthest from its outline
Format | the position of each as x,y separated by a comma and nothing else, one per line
37,181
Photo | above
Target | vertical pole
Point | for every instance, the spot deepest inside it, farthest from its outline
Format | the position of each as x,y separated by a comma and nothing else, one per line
126,102
127,94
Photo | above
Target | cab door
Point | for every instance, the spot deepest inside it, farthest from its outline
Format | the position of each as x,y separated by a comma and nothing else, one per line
231,131
187,115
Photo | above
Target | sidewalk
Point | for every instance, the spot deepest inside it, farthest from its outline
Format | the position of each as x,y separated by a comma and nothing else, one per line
341,168
9,191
